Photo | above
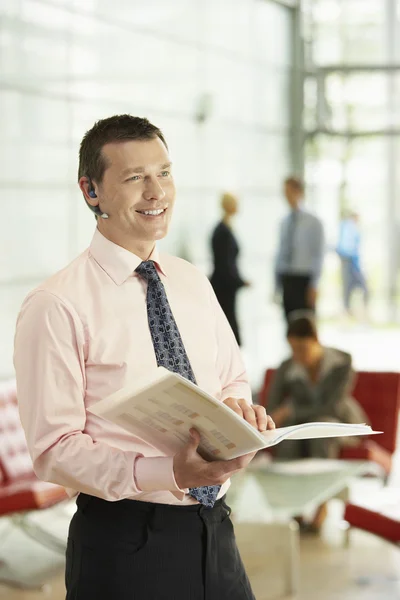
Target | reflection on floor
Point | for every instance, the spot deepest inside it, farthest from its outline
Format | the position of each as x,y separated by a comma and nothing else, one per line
368,570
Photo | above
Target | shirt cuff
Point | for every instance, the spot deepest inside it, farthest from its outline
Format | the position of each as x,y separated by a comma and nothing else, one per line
155,474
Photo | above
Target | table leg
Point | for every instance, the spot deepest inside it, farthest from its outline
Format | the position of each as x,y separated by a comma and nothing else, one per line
271,555
344,495
292,557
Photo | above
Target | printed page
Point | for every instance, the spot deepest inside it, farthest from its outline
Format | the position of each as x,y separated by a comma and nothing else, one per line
162,410
172,412
164,415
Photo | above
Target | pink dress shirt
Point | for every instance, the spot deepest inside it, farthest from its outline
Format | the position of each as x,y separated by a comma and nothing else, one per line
82,335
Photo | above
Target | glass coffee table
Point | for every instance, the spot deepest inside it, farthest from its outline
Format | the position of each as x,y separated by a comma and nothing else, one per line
273,494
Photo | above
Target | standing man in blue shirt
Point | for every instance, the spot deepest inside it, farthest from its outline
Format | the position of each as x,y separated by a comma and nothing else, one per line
300,252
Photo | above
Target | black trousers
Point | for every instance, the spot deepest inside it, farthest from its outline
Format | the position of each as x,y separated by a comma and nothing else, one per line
129,550
294,291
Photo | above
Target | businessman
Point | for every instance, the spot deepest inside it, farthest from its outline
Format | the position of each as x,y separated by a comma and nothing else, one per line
148,526
300,253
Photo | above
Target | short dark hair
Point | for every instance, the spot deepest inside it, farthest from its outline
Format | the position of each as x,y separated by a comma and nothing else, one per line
302,327
296,183
119,128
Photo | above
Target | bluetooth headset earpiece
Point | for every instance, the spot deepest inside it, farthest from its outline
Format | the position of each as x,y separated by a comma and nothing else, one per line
95,209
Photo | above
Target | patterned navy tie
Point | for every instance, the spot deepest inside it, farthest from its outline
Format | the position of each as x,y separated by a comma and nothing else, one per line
169,349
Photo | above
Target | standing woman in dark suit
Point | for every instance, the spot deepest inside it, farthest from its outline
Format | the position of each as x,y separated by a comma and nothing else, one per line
225,279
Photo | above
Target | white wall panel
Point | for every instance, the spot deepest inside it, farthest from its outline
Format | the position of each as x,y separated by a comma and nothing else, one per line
66,63
35,232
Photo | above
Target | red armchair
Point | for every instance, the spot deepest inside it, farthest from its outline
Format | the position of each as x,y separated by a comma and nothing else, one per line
20,490
379,515
379,395
381,520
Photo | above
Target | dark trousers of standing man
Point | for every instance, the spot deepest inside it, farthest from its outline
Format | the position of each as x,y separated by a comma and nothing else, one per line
130,550
295,293
353,278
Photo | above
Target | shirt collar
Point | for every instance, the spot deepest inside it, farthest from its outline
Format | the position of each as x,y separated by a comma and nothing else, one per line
297,211
116,261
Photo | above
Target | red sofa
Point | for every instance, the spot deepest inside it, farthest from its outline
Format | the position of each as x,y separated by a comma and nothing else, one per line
20,489
379,395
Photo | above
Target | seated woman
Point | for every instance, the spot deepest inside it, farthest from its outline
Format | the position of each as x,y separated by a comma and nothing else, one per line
315,384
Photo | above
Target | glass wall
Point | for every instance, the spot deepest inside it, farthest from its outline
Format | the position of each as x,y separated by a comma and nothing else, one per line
352,121
216,80
346,31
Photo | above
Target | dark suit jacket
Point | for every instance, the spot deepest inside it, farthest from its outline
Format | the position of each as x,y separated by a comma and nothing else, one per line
225,278
329,397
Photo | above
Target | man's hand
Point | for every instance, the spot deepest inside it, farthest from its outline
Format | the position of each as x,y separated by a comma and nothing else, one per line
311,297
252,413
190,470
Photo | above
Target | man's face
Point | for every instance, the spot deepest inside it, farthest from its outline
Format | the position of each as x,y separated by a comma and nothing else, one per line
138,190
293,195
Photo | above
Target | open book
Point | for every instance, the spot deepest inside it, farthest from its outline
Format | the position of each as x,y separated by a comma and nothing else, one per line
162,407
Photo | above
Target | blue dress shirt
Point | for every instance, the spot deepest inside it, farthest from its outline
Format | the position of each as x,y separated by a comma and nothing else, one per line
301,246
349,243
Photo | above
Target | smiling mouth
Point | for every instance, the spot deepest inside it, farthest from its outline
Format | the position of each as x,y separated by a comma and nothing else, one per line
152,213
